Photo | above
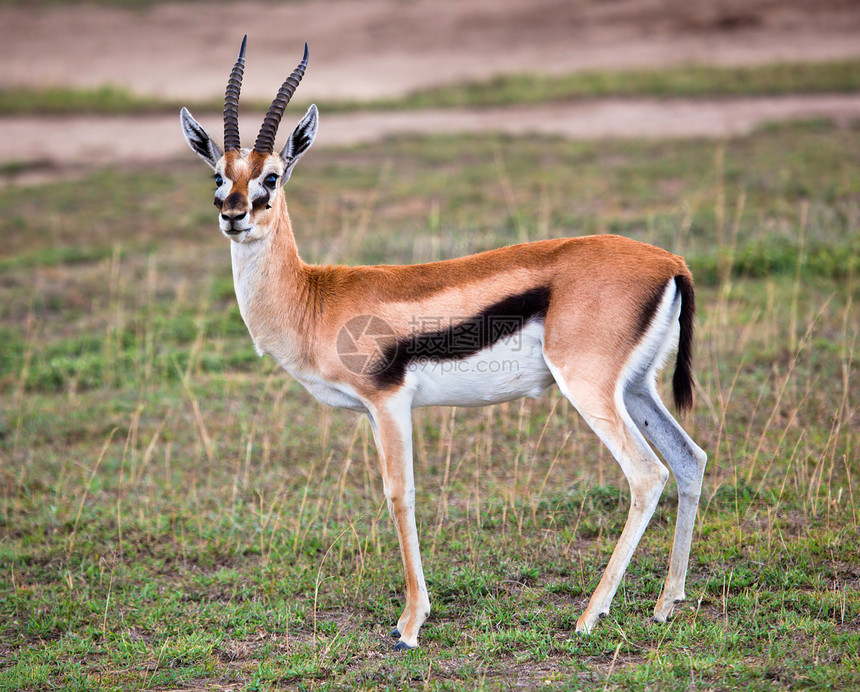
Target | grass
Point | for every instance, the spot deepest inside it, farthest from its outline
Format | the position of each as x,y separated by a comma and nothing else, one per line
684,81
177,513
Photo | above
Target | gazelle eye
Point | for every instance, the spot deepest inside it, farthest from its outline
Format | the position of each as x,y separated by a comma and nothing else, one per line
271,181
219,181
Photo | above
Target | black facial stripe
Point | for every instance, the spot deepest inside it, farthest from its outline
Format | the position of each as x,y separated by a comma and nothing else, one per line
464,339
261,201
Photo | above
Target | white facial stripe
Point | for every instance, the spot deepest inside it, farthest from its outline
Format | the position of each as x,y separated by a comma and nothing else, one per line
222,190
257,189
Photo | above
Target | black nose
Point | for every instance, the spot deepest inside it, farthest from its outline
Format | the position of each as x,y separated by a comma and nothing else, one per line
234,216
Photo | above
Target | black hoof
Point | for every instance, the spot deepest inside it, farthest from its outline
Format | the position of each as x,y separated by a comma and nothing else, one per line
394,633
403,646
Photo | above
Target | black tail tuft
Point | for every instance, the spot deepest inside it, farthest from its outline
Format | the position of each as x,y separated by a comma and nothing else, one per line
682,380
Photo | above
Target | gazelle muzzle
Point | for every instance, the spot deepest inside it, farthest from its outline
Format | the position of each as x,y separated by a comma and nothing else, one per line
235,215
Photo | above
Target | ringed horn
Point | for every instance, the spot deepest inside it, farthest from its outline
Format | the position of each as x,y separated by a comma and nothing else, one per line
265,143
231,101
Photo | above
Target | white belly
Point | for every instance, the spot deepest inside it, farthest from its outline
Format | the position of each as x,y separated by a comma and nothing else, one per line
511,368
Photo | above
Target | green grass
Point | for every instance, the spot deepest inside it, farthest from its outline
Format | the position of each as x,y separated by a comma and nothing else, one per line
178,513
104,100
688,81
684,81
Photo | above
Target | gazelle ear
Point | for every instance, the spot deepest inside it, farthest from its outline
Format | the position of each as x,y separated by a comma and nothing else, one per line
199,140
300,140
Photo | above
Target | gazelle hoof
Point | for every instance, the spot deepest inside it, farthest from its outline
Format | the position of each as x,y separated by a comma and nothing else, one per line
394,633
403,646
665,609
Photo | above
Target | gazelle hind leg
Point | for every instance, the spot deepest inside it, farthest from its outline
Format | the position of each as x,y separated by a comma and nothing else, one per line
646,476
687,462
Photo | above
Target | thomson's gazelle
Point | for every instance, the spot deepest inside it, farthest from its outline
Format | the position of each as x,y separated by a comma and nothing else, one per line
596,315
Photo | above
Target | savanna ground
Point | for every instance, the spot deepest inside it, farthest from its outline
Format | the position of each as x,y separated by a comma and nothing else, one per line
179,514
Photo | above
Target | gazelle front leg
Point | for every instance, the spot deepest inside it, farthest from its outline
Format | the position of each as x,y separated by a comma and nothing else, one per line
392,428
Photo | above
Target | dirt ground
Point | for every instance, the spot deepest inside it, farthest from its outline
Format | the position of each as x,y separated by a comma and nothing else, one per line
373,48
57,144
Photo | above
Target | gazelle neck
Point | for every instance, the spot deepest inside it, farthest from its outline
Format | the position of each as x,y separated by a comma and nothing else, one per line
269,279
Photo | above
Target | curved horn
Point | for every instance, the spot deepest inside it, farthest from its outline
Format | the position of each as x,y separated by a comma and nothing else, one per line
231,101
265,143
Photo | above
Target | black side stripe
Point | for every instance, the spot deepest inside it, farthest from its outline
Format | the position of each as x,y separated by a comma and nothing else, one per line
463,339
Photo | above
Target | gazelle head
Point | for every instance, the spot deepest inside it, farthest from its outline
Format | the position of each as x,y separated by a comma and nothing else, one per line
248,182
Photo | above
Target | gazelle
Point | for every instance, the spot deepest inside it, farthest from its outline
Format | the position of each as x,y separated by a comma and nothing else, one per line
597,315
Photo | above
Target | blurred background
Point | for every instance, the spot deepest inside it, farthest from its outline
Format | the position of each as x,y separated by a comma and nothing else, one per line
132,58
